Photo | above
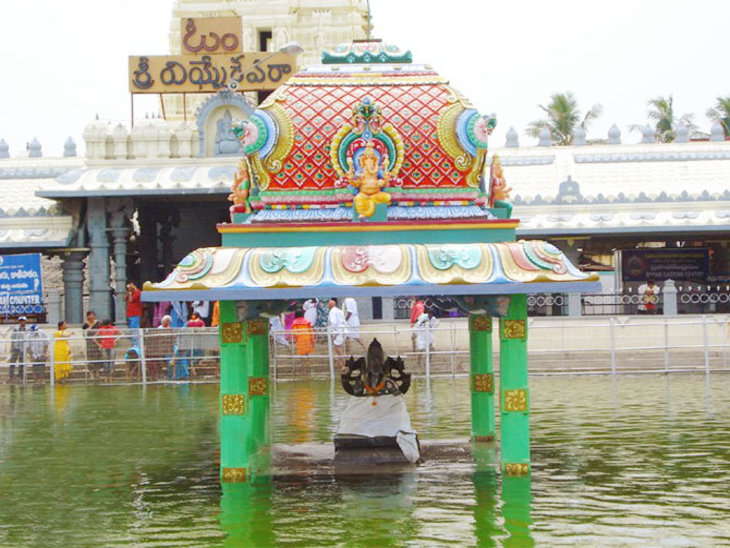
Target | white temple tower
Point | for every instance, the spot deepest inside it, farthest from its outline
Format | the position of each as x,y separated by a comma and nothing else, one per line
268,25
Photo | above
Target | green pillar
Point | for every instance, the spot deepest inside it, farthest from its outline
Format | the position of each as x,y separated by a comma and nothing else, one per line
257,356
514,392
482,378
234,401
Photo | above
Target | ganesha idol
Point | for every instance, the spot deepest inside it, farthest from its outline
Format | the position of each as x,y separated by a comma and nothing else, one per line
367,136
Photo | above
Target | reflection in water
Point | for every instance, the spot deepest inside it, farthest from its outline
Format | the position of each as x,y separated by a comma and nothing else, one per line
60,395
516,500
246,515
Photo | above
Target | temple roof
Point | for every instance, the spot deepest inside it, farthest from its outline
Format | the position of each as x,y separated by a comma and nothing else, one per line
672,187
139,179
233,273
26,219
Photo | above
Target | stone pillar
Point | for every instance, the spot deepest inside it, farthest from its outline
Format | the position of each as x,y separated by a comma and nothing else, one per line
73,282
53,307
482,378
120,233
575,307
669,297
99,288
514,391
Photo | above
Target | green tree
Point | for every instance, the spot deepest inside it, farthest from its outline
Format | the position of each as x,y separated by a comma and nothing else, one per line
662,117
721,113
563,117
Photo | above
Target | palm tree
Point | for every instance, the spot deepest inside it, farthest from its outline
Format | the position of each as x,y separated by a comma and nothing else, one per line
721,113
563,117
661,115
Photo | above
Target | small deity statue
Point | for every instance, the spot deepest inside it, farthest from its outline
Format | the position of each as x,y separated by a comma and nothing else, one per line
499,192
367,182
241,188
226,141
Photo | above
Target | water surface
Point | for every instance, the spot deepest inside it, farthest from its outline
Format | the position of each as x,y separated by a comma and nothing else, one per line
642,461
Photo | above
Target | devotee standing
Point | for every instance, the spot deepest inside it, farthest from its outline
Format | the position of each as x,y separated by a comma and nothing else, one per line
310,311
18,347
108,334
353,321
649,293
424,335
417,308
93,348
61,353
38,350
202,309
134,306
338,329
303,334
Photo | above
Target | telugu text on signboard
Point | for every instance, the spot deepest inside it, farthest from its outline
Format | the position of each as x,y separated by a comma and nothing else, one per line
21,284
205,35
209,73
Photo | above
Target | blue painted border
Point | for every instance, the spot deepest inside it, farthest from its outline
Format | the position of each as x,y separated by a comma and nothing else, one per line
263,293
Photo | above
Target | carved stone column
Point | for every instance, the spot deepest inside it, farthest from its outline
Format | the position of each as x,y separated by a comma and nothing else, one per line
99,286
73,282
119,233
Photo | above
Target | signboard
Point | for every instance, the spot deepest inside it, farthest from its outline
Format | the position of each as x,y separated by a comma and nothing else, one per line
680,264
21,285
201,36
209,73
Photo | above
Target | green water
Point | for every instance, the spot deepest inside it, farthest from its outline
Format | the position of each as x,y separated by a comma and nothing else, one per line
641,461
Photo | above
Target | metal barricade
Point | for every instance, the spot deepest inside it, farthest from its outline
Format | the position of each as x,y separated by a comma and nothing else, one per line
114,356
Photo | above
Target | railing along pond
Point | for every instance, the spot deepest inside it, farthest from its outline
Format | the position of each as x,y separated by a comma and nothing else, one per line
600,345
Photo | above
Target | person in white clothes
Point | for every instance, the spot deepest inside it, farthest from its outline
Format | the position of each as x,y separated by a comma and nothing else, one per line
338,332
353,323
310,311
202,309
424,326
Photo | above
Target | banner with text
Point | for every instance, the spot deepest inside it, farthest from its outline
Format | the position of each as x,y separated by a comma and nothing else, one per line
680,264
21,284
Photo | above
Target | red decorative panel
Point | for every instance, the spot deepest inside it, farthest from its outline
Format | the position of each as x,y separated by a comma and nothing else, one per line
317,112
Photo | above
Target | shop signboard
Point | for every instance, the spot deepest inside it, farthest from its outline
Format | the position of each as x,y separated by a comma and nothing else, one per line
661,264
21,285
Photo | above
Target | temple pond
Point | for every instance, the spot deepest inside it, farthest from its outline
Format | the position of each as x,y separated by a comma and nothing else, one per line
639,461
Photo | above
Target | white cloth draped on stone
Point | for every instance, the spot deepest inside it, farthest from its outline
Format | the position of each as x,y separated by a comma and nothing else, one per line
388,418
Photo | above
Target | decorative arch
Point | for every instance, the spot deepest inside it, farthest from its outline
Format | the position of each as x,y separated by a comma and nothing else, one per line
223,98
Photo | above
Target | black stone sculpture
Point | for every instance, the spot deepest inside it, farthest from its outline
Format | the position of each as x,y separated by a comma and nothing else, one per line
375,375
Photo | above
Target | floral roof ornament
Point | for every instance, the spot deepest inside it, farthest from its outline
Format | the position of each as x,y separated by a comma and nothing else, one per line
366,51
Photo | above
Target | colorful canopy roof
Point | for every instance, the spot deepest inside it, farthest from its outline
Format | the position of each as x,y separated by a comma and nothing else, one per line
378,270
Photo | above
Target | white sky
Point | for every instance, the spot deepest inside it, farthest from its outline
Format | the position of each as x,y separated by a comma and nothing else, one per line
64,62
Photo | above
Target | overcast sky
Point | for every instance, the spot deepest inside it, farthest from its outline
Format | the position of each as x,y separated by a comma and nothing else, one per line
64,62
